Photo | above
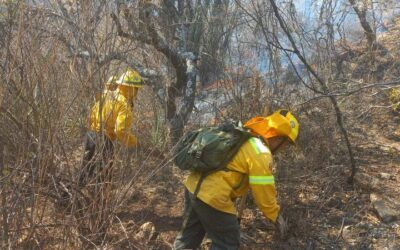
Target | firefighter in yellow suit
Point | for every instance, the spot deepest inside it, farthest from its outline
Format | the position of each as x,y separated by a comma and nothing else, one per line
213,210
110,119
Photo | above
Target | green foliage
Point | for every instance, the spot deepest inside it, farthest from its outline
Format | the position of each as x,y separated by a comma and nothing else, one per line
394,99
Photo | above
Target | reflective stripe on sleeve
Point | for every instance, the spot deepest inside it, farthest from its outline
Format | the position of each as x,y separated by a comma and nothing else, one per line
262,180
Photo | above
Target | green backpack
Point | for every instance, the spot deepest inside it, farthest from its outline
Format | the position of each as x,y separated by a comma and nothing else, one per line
210,149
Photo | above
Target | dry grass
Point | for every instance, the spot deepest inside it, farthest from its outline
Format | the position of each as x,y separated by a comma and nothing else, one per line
46,91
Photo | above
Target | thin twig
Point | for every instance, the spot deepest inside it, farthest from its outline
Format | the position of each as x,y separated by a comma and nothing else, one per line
340,234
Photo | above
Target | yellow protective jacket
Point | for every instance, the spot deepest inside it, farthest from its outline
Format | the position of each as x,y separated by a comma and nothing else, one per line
115,117
251,166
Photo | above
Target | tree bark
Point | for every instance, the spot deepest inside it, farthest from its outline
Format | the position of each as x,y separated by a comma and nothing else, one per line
180,118
184,64
368,31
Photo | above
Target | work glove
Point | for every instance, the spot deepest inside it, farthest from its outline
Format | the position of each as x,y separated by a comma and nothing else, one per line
281,226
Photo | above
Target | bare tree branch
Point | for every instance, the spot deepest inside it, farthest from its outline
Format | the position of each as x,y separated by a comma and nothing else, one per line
354,91
339,115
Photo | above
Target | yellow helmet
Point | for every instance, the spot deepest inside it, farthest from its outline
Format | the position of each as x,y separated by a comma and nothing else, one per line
112,80
111,83
130,78
280,123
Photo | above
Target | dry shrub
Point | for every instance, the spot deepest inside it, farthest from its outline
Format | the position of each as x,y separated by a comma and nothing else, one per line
42,122
319,137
